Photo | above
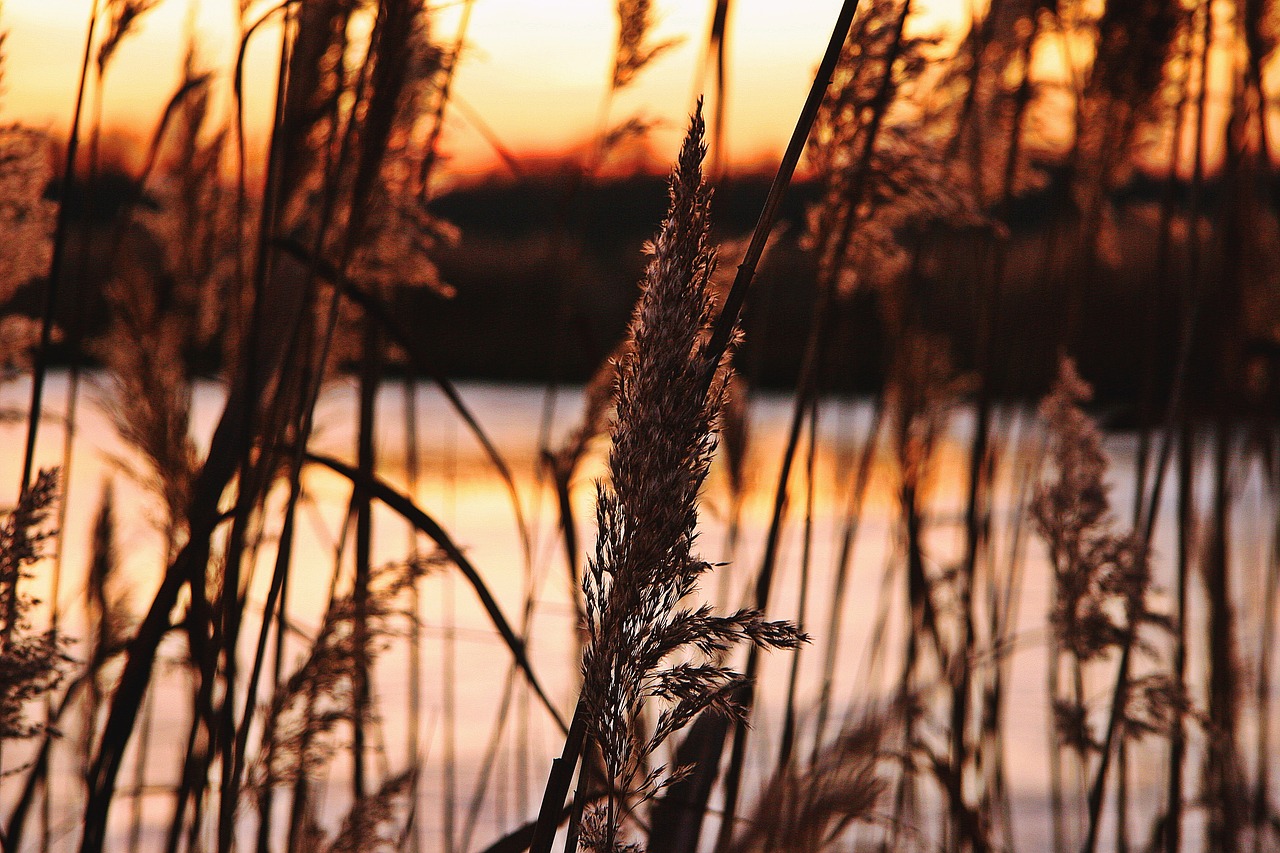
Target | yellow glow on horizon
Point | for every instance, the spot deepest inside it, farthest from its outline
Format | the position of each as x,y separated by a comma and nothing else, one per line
535,72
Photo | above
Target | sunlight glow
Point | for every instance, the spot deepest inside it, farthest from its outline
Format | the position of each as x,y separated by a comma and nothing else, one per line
535,73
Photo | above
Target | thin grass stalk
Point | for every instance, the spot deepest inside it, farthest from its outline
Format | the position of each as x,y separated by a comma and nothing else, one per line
367,465
1223,780
38,775
922,619
1122,796
192,765
715,54
1097,788
277,603
734,300
56,261
431,148
81,275
764,578
840,582
134,843
1261,805
488,764
982,458
786,747
386,85
308,382
449,721
1164,260
1172,835
300,802
1003,601
387,77
414,680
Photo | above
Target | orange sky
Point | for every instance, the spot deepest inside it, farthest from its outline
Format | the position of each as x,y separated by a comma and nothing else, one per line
536,70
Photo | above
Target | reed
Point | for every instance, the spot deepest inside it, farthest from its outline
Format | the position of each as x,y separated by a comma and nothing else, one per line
957,180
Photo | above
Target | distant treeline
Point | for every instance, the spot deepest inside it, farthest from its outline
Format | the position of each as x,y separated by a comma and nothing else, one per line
548,252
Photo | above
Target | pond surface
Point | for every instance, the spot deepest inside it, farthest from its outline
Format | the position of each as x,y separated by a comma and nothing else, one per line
465,669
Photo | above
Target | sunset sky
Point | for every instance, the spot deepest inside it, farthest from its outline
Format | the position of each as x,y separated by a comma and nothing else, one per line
535,70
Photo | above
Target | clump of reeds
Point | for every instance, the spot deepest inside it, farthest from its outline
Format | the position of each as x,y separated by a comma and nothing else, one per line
644,564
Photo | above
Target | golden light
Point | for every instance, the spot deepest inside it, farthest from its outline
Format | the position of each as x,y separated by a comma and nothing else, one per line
535,73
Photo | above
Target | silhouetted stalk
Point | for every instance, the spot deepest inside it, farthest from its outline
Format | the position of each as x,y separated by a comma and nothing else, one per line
1119,699
414,676
367,464
38,775
1261,806
716,49
431,148
448,721
1185,539
193,762
140,773
60,235
982,456
1004,596
1164,260
921,620
1221,760
787,740
1057,798
187,567
840,583
228,734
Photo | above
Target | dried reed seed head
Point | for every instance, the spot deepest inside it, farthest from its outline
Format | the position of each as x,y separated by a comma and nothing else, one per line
124,17
376,822
803,810
635,20
31,665
1102,576
647,517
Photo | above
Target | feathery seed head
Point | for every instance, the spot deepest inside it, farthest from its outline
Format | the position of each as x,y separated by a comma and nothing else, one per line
663,440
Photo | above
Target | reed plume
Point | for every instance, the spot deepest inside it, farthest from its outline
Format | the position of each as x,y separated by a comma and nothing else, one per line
125,15
1093,566
808,810
644,564
634,50
31,664
1102,578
